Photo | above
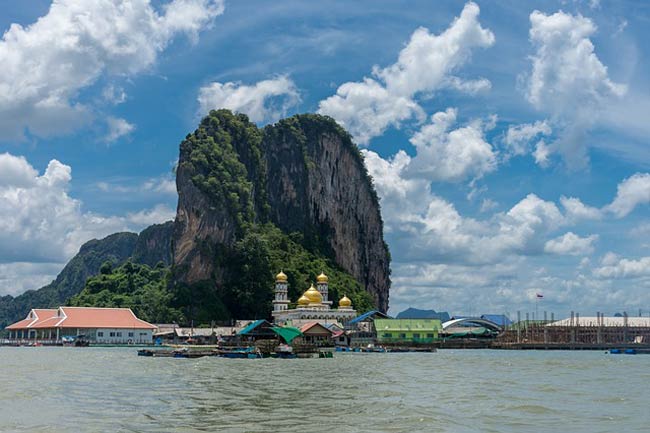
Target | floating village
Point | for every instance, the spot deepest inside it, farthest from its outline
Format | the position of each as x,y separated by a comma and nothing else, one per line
313,327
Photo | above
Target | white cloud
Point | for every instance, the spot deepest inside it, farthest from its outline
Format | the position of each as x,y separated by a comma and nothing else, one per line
425,64
264,101
424,226
402,199
576,210
568,81
164,184
41,224
632,192
488,204
571,244
518,137
542,153
117,128
366,109
624,268
16,171
455,155
158,214
47,64
16,278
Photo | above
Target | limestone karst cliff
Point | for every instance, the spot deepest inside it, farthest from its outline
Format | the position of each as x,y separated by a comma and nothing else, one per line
302,175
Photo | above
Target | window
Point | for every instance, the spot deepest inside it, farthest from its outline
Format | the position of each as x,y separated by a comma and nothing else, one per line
416,335
100,334
143,333
388,335
112,334
130,334
402,335
119,334
429,335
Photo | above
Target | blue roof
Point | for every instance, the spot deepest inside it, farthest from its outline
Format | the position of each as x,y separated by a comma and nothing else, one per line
364,316
251,326
499,319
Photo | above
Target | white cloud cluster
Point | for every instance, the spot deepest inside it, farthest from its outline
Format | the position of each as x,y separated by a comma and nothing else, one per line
568,82
425,65
571,244
265,101
631,192
164,184
451,155
623,268
576,210
424,226
41,225
47,64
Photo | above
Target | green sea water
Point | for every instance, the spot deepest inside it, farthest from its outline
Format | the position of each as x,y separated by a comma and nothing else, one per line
113,390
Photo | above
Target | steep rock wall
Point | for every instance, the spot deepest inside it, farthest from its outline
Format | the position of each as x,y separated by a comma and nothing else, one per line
303,174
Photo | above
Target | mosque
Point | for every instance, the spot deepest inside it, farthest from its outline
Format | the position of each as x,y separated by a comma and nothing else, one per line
312,305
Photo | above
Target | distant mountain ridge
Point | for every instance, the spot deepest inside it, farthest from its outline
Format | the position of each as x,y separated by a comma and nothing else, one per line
150,247
414,313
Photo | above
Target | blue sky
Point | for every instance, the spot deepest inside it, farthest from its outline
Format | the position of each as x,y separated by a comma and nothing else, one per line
507,139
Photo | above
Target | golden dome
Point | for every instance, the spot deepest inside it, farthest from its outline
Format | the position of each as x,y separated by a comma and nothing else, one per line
303,300
281,277
345,302
313,295
322,278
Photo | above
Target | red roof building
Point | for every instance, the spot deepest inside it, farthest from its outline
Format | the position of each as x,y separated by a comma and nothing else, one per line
315,333
96,325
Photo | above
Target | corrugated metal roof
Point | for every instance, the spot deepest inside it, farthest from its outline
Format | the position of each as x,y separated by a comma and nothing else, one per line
635,322
499,319
251,326
364,316
315,328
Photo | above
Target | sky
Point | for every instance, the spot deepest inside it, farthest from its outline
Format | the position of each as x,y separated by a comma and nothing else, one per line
508,140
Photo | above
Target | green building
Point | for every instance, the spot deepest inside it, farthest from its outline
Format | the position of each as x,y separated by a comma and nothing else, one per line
420,331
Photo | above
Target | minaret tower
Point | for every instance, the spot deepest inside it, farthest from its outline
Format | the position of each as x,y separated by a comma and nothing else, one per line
281,301
322,284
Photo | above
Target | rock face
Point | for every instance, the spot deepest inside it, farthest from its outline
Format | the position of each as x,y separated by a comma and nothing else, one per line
318,185
154,245
302,174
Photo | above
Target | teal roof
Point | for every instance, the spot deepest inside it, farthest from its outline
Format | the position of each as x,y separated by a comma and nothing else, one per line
288,333
251,326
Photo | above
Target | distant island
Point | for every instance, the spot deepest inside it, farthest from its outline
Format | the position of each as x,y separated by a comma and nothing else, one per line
293,196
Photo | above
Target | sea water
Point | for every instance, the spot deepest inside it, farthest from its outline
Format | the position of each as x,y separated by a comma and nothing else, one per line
113,390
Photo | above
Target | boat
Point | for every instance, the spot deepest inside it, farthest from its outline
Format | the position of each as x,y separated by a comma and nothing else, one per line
178,353
284,351
240,352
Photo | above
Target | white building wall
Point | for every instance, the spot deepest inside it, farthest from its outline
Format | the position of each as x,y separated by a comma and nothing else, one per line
124,336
